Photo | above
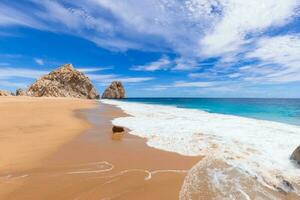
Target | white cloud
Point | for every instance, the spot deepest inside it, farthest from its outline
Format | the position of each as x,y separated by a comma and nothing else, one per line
193,30
128,80
12,84
206,75
107,78
93,69
13,16
39,61
240,18
163,63
194,84
185,64
101,77
156,88
279,59
9,72
184,84
234,75
135,79
211,27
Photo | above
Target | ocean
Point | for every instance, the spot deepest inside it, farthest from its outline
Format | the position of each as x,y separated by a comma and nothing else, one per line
280,110
246,143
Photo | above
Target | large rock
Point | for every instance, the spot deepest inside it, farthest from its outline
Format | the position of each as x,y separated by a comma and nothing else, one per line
6,93
296,155
114,91
63,82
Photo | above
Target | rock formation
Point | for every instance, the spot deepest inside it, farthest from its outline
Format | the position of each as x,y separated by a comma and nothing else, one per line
114,91
21,92
6,93
296,155
63,82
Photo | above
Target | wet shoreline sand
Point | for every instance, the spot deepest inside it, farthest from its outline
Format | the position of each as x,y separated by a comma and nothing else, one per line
93,165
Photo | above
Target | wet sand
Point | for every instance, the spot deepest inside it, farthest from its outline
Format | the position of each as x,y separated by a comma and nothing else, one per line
87,162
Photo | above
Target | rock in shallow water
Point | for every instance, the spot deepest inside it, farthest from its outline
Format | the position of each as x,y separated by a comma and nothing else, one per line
296,155
63,82
114,91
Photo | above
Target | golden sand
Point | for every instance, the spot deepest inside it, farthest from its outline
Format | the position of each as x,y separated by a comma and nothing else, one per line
49,151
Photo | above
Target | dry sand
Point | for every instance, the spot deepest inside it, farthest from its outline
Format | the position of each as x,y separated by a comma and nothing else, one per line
31,128
48,151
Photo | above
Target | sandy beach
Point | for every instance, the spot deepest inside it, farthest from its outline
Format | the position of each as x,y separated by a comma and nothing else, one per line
64,149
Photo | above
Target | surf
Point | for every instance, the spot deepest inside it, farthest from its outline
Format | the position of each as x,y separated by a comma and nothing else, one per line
257,150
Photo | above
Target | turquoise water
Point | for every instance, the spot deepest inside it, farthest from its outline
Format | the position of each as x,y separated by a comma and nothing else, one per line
280,110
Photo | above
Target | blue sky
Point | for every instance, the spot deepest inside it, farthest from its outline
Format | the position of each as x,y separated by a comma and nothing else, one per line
158,48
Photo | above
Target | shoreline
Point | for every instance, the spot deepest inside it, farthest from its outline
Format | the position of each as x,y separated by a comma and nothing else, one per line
224,149
94,165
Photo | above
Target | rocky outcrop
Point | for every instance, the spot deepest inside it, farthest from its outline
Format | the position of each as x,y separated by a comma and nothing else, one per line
63,82
114,91
6,93
21,92
296,155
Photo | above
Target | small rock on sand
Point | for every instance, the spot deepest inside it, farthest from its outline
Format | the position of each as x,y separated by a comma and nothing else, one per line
118,129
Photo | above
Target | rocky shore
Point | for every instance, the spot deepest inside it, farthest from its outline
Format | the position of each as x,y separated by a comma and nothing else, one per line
66,81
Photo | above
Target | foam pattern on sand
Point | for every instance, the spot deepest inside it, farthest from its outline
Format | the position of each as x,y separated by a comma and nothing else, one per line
257,148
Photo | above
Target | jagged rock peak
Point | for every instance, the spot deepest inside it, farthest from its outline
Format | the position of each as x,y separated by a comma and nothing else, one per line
64,82
114,91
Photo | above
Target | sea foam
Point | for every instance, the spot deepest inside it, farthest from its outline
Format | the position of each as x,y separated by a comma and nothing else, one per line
257,148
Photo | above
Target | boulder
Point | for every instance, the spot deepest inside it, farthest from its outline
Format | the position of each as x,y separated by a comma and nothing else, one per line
6,93
296,155
64,82
21,92
118,129
114,91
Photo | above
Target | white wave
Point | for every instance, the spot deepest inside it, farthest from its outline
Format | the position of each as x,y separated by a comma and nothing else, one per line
259,148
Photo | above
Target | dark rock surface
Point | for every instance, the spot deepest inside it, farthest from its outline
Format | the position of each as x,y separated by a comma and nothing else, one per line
118,129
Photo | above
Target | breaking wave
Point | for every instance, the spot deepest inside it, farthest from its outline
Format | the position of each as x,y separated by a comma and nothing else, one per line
239,152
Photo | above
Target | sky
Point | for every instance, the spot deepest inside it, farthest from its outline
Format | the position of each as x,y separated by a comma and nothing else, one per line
157,48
